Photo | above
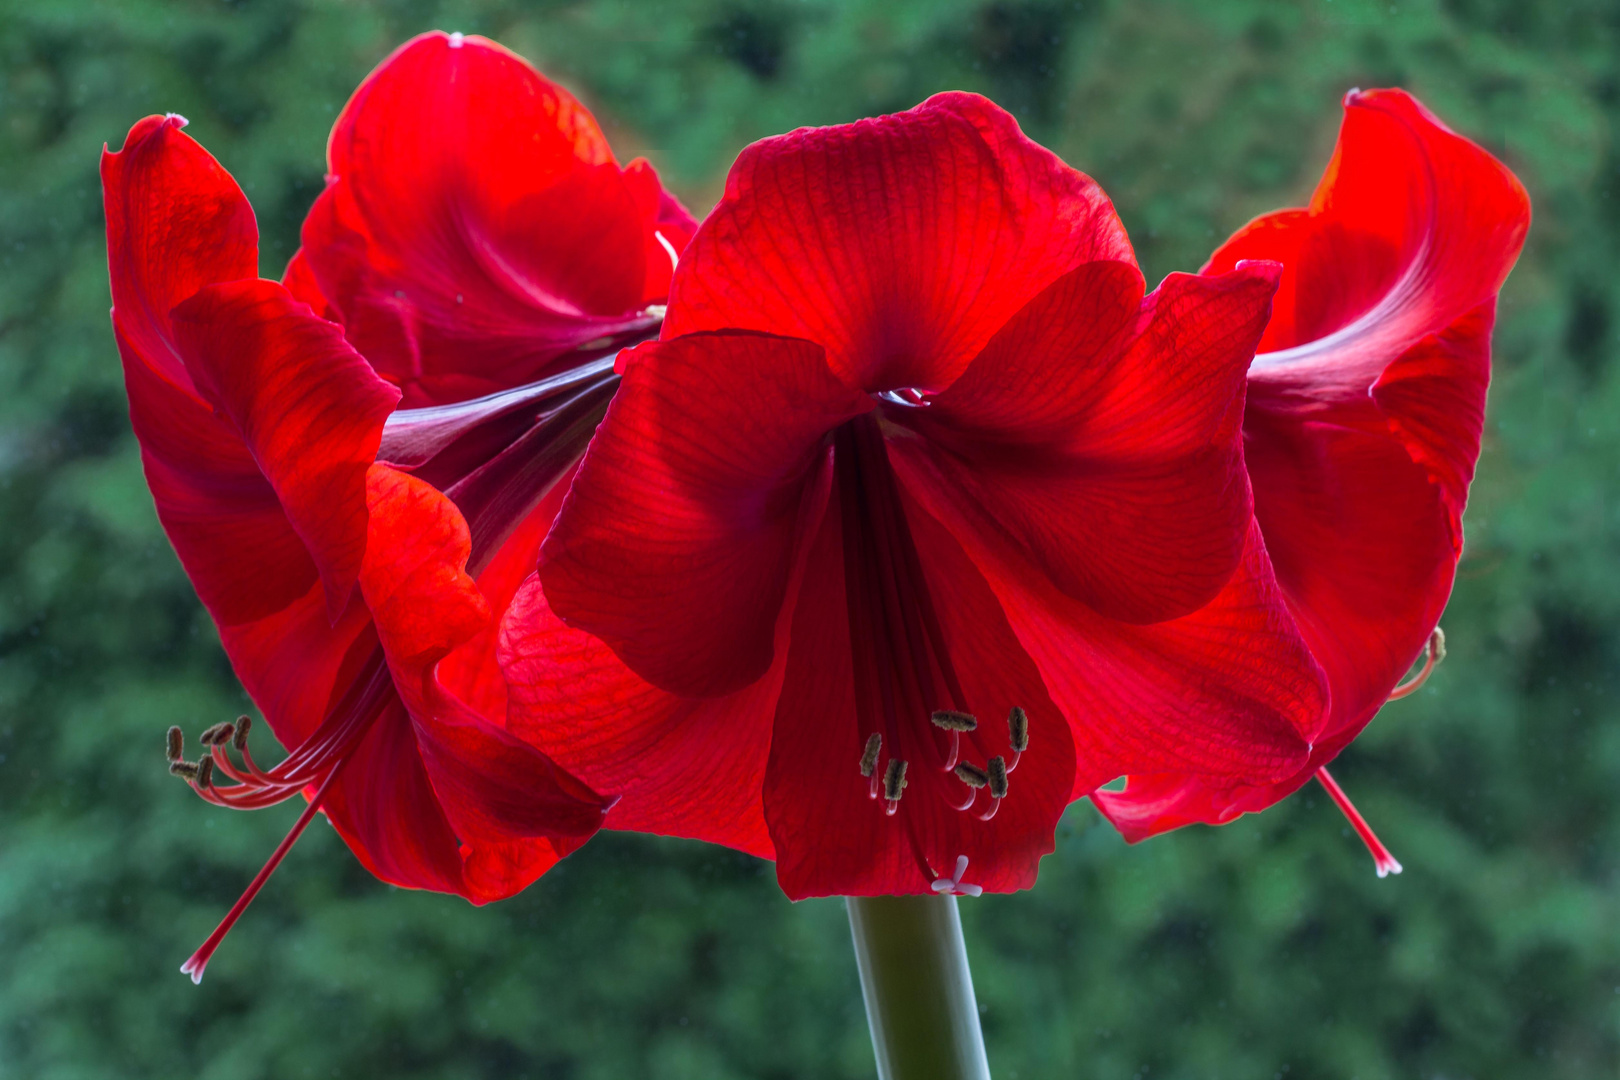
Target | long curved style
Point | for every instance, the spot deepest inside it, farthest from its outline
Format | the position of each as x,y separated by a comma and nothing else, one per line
1365,408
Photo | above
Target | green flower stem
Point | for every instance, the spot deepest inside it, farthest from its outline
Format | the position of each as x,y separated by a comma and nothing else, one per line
918,990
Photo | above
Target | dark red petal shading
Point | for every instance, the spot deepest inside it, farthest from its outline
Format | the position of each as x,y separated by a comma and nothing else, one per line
831,838
309,410
676,542
475,229
1229,690
1101,432
385,809
900,244
163,194
691,767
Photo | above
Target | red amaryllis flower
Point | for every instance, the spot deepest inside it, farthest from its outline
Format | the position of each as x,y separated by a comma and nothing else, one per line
261,427
914,472
1363,420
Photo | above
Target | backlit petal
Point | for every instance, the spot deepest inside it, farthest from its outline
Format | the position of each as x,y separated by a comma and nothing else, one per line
900,244
475,230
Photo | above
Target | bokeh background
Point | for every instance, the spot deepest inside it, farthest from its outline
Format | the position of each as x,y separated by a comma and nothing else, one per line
1263,949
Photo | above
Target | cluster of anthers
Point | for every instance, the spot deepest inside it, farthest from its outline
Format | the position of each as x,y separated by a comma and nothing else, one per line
991,777
252,788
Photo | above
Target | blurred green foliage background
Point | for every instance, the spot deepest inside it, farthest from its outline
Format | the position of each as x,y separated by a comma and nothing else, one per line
1264,949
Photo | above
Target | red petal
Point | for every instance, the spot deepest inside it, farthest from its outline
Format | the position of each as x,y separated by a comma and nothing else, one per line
900,244
176,221
1102,432
475,230
308,408
1229,690
413,578
1411,227
831,838
387,812
677,539
300,281
493,787
689,767
1363,431
472,671
177,224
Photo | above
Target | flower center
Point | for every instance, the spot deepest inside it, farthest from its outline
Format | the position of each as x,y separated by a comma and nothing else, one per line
917,728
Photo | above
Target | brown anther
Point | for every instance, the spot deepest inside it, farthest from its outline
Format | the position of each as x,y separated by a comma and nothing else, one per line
184,769
239,740
997,775
177,743
894,779
1018,729
970,774
205,772
951,720
869,756
219,734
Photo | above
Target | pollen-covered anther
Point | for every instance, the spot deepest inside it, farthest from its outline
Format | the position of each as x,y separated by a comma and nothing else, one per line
185,769
176,744
971,775
219,734
869,756
1018,730
951,720
1017,735
997,775
239,740
205,773
894,783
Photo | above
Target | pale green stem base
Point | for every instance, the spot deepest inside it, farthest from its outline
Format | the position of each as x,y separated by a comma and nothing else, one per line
918,990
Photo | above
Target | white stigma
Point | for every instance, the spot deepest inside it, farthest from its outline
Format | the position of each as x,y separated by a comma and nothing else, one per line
456,39
953,886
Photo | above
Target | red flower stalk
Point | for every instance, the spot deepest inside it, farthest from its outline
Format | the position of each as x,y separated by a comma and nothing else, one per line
284,482
914,473
1363,422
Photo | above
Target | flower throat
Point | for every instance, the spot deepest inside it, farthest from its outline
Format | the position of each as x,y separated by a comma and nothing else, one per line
916,726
